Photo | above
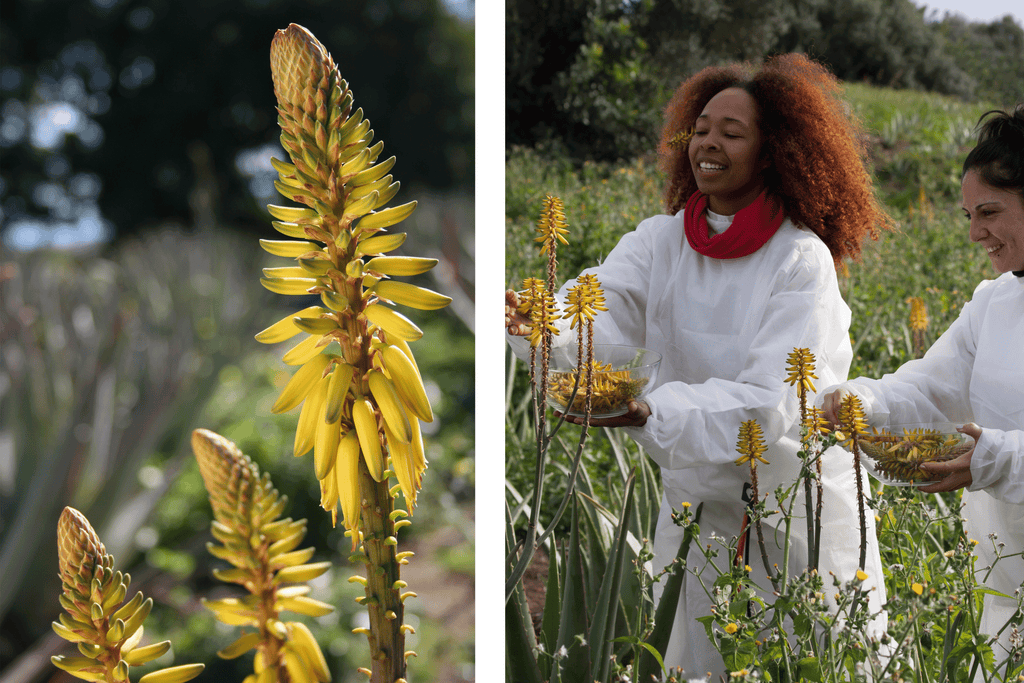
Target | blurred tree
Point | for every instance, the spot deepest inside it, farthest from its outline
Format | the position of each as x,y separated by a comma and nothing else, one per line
109,105
993,54
592,75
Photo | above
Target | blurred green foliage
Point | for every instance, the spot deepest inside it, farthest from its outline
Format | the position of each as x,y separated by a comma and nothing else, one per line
590,77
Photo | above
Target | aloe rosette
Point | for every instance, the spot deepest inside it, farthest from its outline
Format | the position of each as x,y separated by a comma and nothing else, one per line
107,630
262,547
357,381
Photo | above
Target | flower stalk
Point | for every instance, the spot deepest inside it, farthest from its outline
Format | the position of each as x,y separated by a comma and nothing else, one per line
361,392
261,547
800,366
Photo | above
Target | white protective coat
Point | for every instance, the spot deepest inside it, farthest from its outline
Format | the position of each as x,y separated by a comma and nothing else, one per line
975,373
725,329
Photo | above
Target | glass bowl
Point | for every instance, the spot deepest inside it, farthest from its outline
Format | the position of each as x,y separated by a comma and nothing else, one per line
896,452
621,374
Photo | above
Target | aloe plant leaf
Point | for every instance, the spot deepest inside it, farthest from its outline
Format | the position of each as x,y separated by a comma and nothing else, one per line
520,643
552,605
573,618
664,615
602,628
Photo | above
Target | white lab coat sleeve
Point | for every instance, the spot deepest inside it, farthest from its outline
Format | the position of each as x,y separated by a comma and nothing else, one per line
625,278
934,388
694,425
997,465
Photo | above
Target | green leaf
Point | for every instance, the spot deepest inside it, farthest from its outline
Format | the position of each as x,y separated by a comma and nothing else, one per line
602,628
573,619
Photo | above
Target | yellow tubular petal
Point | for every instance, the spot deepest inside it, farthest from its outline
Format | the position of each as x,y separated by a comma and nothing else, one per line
298,669
334,301
304,605
379,244
346,471
369,438
289,248
316,325
400,266
302,573
286,271
141,655
306,645
293,230
411,295
341,379
391,407
419,460
301,383
290,286
407,382
326,447
329,492
303,351
292,214
285,329
362,206
316,267
174,674
376,186
392,322
387,217
238,648
401,464
407,350
312,409
292,559
373,174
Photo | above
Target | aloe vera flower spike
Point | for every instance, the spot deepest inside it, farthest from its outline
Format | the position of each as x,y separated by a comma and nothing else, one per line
361,393
261,548
106,629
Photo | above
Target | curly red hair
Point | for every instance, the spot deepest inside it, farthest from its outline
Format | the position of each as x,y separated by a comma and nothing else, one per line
813,146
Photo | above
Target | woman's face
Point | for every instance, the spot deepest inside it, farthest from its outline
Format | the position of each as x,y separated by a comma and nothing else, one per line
997,221
725,151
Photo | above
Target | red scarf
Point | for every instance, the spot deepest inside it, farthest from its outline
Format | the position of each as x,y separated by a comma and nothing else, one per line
752,226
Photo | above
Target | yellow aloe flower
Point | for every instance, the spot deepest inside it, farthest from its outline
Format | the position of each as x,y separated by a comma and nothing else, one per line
261,548
918,314
361,393
357,377
106,629
815,423
751,444
800,365
551,225
681,138
584,300
851,417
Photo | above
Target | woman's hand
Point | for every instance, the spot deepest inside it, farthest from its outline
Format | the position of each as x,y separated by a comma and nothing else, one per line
516,323
830,407
957,470
636,417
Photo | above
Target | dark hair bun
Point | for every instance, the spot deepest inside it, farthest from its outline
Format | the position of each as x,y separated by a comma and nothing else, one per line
999,154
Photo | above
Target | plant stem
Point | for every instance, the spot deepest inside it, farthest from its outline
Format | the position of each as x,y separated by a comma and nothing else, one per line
383,600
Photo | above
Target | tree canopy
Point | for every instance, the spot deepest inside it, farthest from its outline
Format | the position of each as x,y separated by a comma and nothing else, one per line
124,107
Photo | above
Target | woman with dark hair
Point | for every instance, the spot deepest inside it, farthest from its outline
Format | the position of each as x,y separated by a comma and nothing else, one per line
766,194
975,372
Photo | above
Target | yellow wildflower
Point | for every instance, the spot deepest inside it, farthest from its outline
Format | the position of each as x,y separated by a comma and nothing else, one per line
917,588
731,628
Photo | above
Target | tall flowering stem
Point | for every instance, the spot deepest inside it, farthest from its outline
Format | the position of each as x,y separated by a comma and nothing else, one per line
106,629
751,447
800,366
853,425
537,301
361,393
261,548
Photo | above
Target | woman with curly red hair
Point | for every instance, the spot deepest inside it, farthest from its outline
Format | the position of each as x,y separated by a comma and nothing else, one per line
766,194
